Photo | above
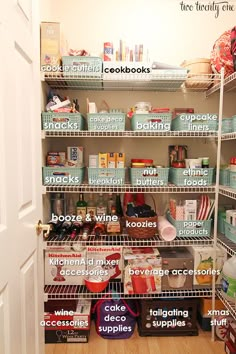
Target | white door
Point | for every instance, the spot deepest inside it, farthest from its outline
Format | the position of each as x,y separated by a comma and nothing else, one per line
21,290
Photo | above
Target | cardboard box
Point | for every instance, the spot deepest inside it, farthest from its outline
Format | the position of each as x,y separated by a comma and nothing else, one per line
108,257
93,161
65,268
232,334
120,160
142,266
206,305
75,153
66,336
50,44
56,158
176,261
111,160
56,305
203,263
102,160
229,349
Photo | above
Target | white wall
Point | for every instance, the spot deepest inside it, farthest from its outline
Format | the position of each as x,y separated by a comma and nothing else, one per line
170,34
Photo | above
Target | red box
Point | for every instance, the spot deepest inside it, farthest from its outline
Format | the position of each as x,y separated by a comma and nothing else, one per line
229,349
232,334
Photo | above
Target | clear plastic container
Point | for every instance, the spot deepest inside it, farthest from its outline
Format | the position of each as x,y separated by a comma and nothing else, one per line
229,279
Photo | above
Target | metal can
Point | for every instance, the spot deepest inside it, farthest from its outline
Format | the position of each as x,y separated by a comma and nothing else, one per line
108,51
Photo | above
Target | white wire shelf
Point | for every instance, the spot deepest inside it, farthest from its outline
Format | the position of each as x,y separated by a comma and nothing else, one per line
74,292
126,188
229,85
129,134
228,136
125,240
171,83
227,191
230,305
228,245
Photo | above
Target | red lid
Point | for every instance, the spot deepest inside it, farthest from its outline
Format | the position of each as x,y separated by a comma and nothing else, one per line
142,160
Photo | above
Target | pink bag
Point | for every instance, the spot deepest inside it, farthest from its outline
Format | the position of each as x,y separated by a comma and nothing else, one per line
221,56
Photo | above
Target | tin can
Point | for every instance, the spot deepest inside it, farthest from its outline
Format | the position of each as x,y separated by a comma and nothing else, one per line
108,51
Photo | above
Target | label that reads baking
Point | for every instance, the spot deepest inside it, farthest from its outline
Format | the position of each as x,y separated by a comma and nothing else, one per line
152,125
195,177
62,178
198,122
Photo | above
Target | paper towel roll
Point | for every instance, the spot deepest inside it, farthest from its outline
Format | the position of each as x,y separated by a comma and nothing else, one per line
167,232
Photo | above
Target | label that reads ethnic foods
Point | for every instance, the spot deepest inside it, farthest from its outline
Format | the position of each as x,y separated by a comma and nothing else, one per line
195,177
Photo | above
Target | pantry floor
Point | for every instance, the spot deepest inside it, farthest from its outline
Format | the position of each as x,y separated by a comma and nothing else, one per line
142,345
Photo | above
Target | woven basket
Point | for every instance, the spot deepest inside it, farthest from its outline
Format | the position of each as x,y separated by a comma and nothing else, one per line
138,232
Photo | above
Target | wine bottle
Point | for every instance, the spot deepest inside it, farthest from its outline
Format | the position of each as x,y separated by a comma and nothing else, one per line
81,206
91,206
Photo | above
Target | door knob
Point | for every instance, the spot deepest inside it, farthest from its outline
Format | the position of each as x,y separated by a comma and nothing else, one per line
42,227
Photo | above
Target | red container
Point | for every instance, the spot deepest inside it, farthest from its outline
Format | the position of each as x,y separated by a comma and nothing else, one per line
233,161
147,162
96,287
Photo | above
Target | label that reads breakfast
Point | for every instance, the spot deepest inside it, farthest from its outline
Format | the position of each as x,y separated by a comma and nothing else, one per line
198,122
168,318
195,177
103,180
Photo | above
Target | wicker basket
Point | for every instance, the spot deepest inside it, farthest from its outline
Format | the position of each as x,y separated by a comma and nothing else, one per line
140,232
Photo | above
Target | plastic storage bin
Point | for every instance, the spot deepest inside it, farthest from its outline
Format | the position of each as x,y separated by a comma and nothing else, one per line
234,123
63,176
149,176
225,177
106,121
191,228
230,232
227,125
195,122
106,176
195,177
82,66
232,179
62,121
151,121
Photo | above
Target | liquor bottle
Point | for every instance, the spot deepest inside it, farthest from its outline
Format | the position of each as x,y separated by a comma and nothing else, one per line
114,226
110,203
119,210
81,206
91,206
75,229
70,210
99,229
57,201
101,206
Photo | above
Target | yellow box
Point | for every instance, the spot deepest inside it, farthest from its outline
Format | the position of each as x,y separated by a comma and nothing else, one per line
206,305
50,44
102,160
120,160
111,160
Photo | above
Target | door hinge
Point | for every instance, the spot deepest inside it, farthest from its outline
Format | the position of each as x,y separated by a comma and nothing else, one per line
42,227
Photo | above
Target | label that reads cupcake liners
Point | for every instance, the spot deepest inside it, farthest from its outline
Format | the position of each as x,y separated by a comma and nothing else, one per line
198,122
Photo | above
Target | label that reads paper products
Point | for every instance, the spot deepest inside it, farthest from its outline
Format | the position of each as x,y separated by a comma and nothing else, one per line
193,228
